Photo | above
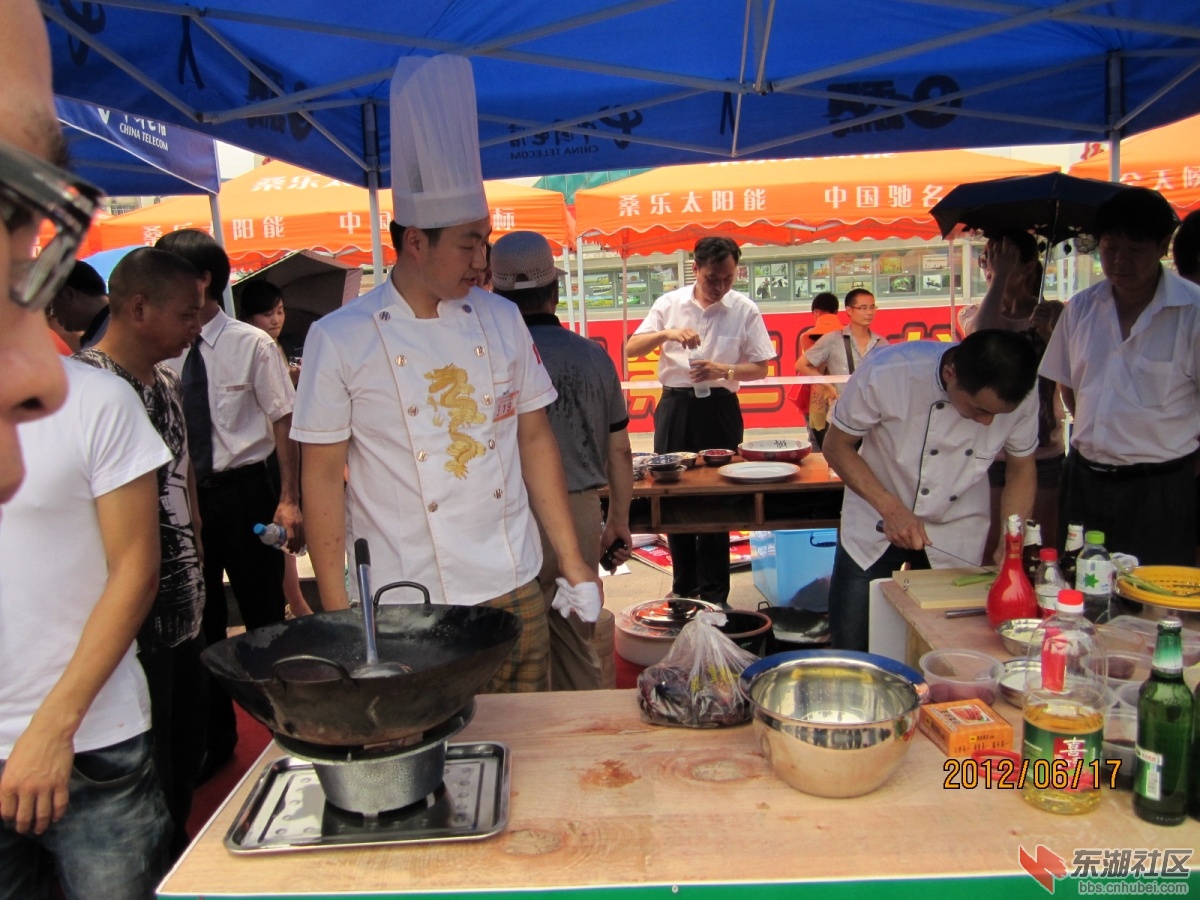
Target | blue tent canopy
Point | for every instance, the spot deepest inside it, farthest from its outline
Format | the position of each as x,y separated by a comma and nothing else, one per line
579,85
124,154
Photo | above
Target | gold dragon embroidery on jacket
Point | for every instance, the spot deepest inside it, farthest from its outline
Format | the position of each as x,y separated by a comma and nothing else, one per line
450,390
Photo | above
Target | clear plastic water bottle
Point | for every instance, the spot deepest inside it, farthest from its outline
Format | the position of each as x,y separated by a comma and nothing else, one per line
702,388
1048,582
272,535
1094,577
1064,712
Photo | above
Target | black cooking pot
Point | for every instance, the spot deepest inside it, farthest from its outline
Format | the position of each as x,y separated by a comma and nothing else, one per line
796,629
295,677
748,629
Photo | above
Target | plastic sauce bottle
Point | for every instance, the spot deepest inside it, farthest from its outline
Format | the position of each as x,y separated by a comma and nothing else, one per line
1164,734
1011,595
1064,712
1029,553
1094,577
1048,582
702,388
1070,554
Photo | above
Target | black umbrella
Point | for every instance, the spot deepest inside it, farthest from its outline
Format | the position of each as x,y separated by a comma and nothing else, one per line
1054,206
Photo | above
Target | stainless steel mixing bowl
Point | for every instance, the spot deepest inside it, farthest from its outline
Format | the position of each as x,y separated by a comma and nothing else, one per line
833,723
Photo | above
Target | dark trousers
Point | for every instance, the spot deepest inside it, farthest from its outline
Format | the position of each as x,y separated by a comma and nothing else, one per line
850,590
685,422
231,504
179,713
1149,513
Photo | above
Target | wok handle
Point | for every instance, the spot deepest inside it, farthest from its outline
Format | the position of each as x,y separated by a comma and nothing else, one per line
343,673
399,584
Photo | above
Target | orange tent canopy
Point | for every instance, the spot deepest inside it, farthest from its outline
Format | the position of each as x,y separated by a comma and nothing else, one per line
786,201
1166,159
278,208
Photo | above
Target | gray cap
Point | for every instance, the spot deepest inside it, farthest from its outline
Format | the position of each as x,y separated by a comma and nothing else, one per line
523,259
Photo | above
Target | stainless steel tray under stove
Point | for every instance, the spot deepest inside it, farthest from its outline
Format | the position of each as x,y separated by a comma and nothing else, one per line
287,811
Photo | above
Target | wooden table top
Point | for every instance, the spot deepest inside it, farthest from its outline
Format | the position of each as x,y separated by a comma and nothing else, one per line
601,800
814,475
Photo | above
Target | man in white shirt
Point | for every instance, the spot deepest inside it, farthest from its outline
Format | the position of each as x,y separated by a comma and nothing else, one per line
728,331
430,392
839,353
237,399
1126,354
79,559
931,419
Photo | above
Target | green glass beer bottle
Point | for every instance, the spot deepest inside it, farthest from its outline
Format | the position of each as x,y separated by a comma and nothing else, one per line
1164,734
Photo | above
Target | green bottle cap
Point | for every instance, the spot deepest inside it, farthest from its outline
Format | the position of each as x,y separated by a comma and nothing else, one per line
1094,537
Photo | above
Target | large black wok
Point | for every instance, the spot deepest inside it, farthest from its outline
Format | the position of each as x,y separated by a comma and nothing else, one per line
295,677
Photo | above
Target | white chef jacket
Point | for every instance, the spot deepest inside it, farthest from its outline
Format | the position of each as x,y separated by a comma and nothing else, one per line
923,451
731,332
249,389
1136,400
430,409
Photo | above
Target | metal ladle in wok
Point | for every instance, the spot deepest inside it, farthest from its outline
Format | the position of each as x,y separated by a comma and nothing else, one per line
373,668
299,677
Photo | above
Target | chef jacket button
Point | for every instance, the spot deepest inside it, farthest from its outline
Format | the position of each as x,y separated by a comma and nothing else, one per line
933,452
939,405
492,444
402,360
432,506
498,493
385,316
412,410
422,455
487,399
924,491
467,308
479,351
970,452
953,497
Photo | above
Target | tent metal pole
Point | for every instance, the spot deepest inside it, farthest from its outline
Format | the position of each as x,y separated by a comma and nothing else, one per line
1115,108
582,288
567,275
964,247
624,314
371,146
218,228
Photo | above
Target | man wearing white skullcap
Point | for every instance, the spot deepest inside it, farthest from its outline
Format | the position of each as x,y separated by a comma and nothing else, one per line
430,392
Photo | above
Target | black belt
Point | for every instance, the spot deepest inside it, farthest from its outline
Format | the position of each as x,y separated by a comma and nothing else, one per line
231,476
692,391
1133,470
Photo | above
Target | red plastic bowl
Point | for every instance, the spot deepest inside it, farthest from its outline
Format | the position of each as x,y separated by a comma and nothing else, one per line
774,450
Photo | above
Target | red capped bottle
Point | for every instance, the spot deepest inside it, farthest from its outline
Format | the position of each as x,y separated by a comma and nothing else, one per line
1011,595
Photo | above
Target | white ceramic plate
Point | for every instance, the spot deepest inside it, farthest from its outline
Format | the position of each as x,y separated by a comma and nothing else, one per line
759,472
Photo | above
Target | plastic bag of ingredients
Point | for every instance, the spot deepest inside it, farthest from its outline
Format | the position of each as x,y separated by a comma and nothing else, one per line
696,684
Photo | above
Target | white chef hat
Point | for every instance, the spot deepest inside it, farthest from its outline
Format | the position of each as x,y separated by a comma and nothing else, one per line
436,177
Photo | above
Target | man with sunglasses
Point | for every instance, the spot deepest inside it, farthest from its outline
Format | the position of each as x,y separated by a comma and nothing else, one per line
78,544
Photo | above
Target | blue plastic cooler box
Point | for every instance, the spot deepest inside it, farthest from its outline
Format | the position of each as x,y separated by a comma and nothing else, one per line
792,568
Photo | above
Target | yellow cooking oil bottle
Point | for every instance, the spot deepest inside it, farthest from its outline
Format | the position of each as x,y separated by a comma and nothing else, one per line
1061,766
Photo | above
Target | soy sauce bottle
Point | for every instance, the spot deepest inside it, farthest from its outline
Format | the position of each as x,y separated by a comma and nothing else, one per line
1029,553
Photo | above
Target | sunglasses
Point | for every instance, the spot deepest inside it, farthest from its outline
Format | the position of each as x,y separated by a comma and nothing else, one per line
32,191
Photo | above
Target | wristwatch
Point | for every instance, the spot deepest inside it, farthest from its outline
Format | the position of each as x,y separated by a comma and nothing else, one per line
729,374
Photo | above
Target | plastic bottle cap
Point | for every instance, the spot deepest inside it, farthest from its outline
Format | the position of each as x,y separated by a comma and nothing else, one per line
1048,554
259,529
1070,601
1094,537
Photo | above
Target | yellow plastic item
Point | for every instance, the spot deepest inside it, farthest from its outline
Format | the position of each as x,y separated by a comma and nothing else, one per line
1182,581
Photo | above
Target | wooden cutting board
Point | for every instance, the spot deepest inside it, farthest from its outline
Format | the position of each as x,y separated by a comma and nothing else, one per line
932,588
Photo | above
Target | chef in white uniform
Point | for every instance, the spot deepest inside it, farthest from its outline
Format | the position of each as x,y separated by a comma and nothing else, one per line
429,391
931,419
